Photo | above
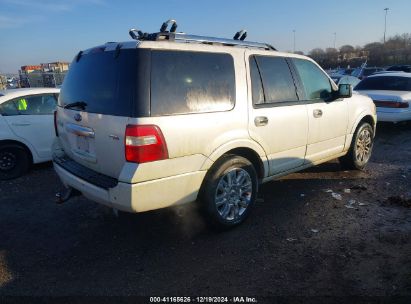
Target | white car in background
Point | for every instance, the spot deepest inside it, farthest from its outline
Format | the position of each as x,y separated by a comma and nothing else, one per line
26,129
391,93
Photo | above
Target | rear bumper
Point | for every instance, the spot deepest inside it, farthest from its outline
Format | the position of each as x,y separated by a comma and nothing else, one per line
139,197
394,116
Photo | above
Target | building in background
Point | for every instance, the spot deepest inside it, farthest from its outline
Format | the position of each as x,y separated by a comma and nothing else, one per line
54,73
57,67
44,75
30,76
3,82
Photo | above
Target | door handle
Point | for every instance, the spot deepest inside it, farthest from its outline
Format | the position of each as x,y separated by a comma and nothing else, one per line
317,113
22,124
260,121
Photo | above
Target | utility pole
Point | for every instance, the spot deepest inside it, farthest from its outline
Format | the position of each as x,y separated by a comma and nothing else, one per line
294,41
335,38
385,22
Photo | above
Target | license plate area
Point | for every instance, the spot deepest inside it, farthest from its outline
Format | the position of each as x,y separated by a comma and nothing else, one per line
83,144
83,147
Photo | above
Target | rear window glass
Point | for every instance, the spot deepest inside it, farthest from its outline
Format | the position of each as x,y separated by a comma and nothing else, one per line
105,81
385,83
404,68
191,82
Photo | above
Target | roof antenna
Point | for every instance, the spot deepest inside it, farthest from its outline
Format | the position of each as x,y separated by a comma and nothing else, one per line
240,35
173,27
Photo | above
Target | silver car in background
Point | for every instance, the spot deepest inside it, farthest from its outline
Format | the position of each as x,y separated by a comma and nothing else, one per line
391,93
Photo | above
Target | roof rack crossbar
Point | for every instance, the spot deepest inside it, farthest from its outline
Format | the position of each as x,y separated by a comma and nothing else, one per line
181,37
171,35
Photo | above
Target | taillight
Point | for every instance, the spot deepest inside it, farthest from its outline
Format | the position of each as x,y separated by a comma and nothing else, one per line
55,123
144,143
391,104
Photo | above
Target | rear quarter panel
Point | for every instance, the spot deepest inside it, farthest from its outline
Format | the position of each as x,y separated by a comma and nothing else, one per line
193,139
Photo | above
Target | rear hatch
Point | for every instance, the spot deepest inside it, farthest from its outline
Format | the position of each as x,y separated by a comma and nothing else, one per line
100,94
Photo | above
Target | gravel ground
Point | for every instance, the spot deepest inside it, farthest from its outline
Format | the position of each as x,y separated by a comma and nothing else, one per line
300,240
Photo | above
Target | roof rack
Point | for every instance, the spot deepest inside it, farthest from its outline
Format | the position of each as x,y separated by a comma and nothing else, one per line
172,35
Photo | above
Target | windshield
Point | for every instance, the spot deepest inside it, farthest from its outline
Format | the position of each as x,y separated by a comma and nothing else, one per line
385,83
356,72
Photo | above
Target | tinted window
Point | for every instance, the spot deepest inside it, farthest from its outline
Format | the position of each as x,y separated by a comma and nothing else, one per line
191,82
356,72
8,108
105,81
404,68
256,84
278,83
388,83
30,105
316,83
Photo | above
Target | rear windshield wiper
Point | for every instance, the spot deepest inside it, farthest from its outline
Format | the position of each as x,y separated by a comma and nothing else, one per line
78,104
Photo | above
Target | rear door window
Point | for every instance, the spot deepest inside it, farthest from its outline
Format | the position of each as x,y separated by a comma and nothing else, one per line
191,82
256,83
277,81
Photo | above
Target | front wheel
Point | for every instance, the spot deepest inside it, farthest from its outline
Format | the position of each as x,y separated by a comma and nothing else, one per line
229,191
361,148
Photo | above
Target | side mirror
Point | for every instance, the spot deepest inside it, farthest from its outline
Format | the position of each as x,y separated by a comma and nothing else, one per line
344,91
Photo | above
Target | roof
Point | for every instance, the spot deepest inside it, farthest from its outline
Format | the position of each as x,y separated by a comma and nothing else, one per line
173,36
392,74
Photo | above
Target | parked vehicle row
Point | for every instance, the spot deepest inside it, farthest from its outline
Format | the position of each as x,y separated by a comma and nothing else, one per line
170,118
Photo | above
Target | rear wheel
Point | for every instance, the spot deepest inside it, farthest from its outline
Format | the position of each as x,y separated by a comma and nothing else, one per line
361,148
14,161
229,191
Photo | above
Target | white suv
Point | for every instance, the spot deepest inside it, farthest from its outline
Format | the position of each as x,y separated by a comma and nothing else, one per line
26,129
172,118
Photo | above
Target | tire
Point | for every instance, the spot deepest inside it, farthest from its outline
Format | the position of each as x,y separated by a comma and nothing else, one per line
229,191
361,148
14,161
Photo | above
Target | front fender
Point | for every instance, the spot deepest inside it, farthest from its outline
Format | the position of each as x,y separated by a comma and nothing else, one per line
361,117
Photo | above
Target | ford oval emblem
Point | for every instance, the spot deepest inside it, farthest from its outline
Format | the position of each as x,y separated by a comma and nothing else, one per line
77,117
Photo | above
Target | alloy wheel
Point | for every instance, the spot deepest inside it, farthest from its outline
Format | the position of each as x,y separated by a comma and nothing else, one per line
363,146
233,194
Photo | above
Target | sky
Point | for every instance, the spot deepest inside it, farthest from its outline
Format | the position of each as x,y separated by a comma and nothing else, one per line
40,31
